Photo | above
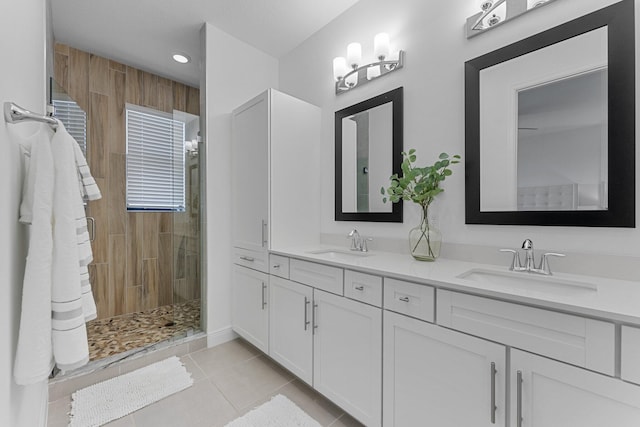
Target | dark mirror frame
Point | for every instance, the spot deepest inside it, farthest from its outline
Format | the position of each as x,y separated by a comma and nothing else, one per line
619,20
396,98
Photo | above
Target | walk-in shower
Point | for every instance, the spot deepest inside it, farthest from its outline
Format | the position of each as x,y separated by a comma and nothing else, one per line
146,241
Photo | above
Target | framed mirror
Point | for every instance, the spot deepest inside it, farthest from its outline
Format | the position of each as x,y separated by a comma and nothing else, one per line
368,142
550,126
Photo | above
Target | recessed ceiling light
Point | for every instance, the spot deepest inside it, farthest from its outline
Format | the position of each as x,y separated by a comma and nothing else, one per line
181,58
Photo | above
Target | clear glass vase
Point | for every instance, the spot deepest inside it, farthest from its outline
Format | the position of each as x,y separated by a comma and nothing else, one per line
425,240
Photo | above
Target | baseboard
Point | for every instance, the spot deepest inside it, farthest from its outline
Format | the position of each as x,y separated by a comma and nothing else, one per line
220,336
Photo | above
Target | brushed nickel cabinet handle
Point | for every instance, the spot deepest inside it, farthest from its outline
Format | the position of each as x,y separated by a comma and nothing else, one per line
264,300
314,315
493,393
404,299
276,266
306,319
264,233
359,288
519,399
247,258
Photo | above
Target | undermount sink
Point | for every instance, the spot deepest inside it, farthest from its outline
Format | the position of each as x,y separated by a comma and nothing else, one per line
337,253
529,281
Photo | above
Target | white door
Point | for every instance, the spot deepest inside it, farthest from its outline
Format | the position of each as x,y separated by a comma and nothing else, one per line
250,174
250,312
347,354
290,329
553,394
437,377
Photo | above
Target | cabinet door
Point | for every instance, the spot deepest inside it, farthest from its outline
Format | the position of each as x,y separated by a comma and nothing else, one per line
250,174
437,377
546,393
347,353
290,329
250,314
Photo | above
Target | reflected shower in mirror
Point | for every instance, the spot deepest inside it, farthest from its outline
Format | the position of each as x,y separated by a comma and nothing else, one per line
368,146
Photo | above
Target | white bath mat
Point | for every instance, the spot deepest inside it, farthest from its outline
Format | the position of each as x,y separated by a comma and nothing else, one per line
114,398
278,412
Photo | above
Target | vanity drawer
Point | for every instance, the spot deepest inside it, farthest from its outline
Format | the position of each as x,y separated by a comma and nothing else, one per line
324,277
630,369
256,260
408,298
279,266
573,339
363,287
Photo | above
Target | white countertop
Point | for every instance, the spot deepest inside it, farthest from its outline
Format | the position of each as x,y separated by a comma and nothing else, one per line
615,300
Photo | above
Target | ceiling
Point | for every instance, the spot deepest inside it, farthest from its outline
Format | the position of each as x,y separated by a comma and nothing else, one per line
144,33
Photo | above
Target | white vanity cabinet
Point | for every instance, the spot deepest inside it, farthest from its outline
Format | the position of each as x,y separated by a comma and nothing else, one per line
249,301
331,342
291,328
435,376
347,350
275,173
546,393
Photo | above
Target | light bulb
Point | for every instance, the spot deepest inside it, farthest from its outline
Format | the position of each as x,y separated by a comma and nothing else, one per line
354,55
339,67
485,4
381,46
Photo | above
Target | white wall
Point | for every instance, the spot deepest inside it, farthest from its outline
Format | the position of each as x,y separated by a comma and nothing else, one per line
234,73
433,78
23,81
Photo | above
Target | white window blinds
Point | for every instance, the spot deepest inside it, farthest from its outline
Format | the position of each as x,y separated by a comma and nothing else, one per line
74,120
155,161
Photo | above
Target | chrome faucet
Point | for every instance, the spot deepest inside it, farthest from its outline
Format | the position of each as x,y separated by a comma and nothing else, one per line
529,266
358,243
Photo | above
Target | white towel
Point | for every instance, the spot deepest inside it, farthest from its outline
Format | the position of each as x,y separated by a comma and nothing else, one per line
89,187
69,333
34,361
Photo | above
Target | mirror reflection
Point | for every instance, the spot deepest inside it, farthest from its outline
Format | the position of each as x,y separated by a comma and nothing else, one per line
368,138
366,159
543,128
562,144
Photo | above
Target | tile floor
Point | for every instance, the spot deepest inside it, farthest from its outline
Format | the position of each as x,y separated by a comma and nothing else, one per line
229,380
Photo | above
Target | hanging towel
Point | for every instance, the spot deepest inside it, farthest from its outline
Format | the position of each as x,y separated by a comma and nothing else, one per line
69,333
90,190
89,187
34,361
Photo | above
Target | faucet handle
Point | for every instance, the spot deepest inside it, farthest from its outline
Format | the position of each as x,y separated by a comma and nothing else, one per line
515,262
544,262
364,243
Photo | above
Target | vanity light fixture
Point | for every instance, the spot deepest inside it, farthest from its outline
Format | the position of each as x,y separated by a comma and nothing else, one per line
349,73
491,13
181,58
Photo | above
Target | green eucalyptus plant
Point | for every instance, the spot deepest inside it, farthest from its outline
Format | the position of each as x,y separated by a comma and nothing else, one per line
420,185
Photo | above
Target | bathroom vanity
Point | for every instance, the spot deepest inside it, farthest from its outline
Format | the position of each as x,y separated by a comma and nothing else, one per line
454,343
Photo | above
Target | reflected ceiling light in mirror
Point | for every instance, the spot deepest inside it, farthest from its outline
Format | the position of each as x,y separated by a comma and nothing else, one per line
495,12
181,58
349,72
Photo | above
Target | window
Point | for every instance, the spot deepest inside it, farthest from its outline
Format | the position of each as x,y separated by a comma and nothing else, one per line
74,120
155,161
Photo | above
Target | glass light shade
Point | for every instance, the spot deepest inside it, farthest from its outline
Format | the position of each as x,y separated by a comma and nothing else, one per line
339,67
485,4
181,58
352,80
381,46
534,3
496,16
373,72
354,54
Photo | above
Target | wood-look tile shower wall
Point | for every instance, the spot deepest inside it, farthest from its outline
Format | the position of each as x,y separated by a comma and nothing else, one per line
141,260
